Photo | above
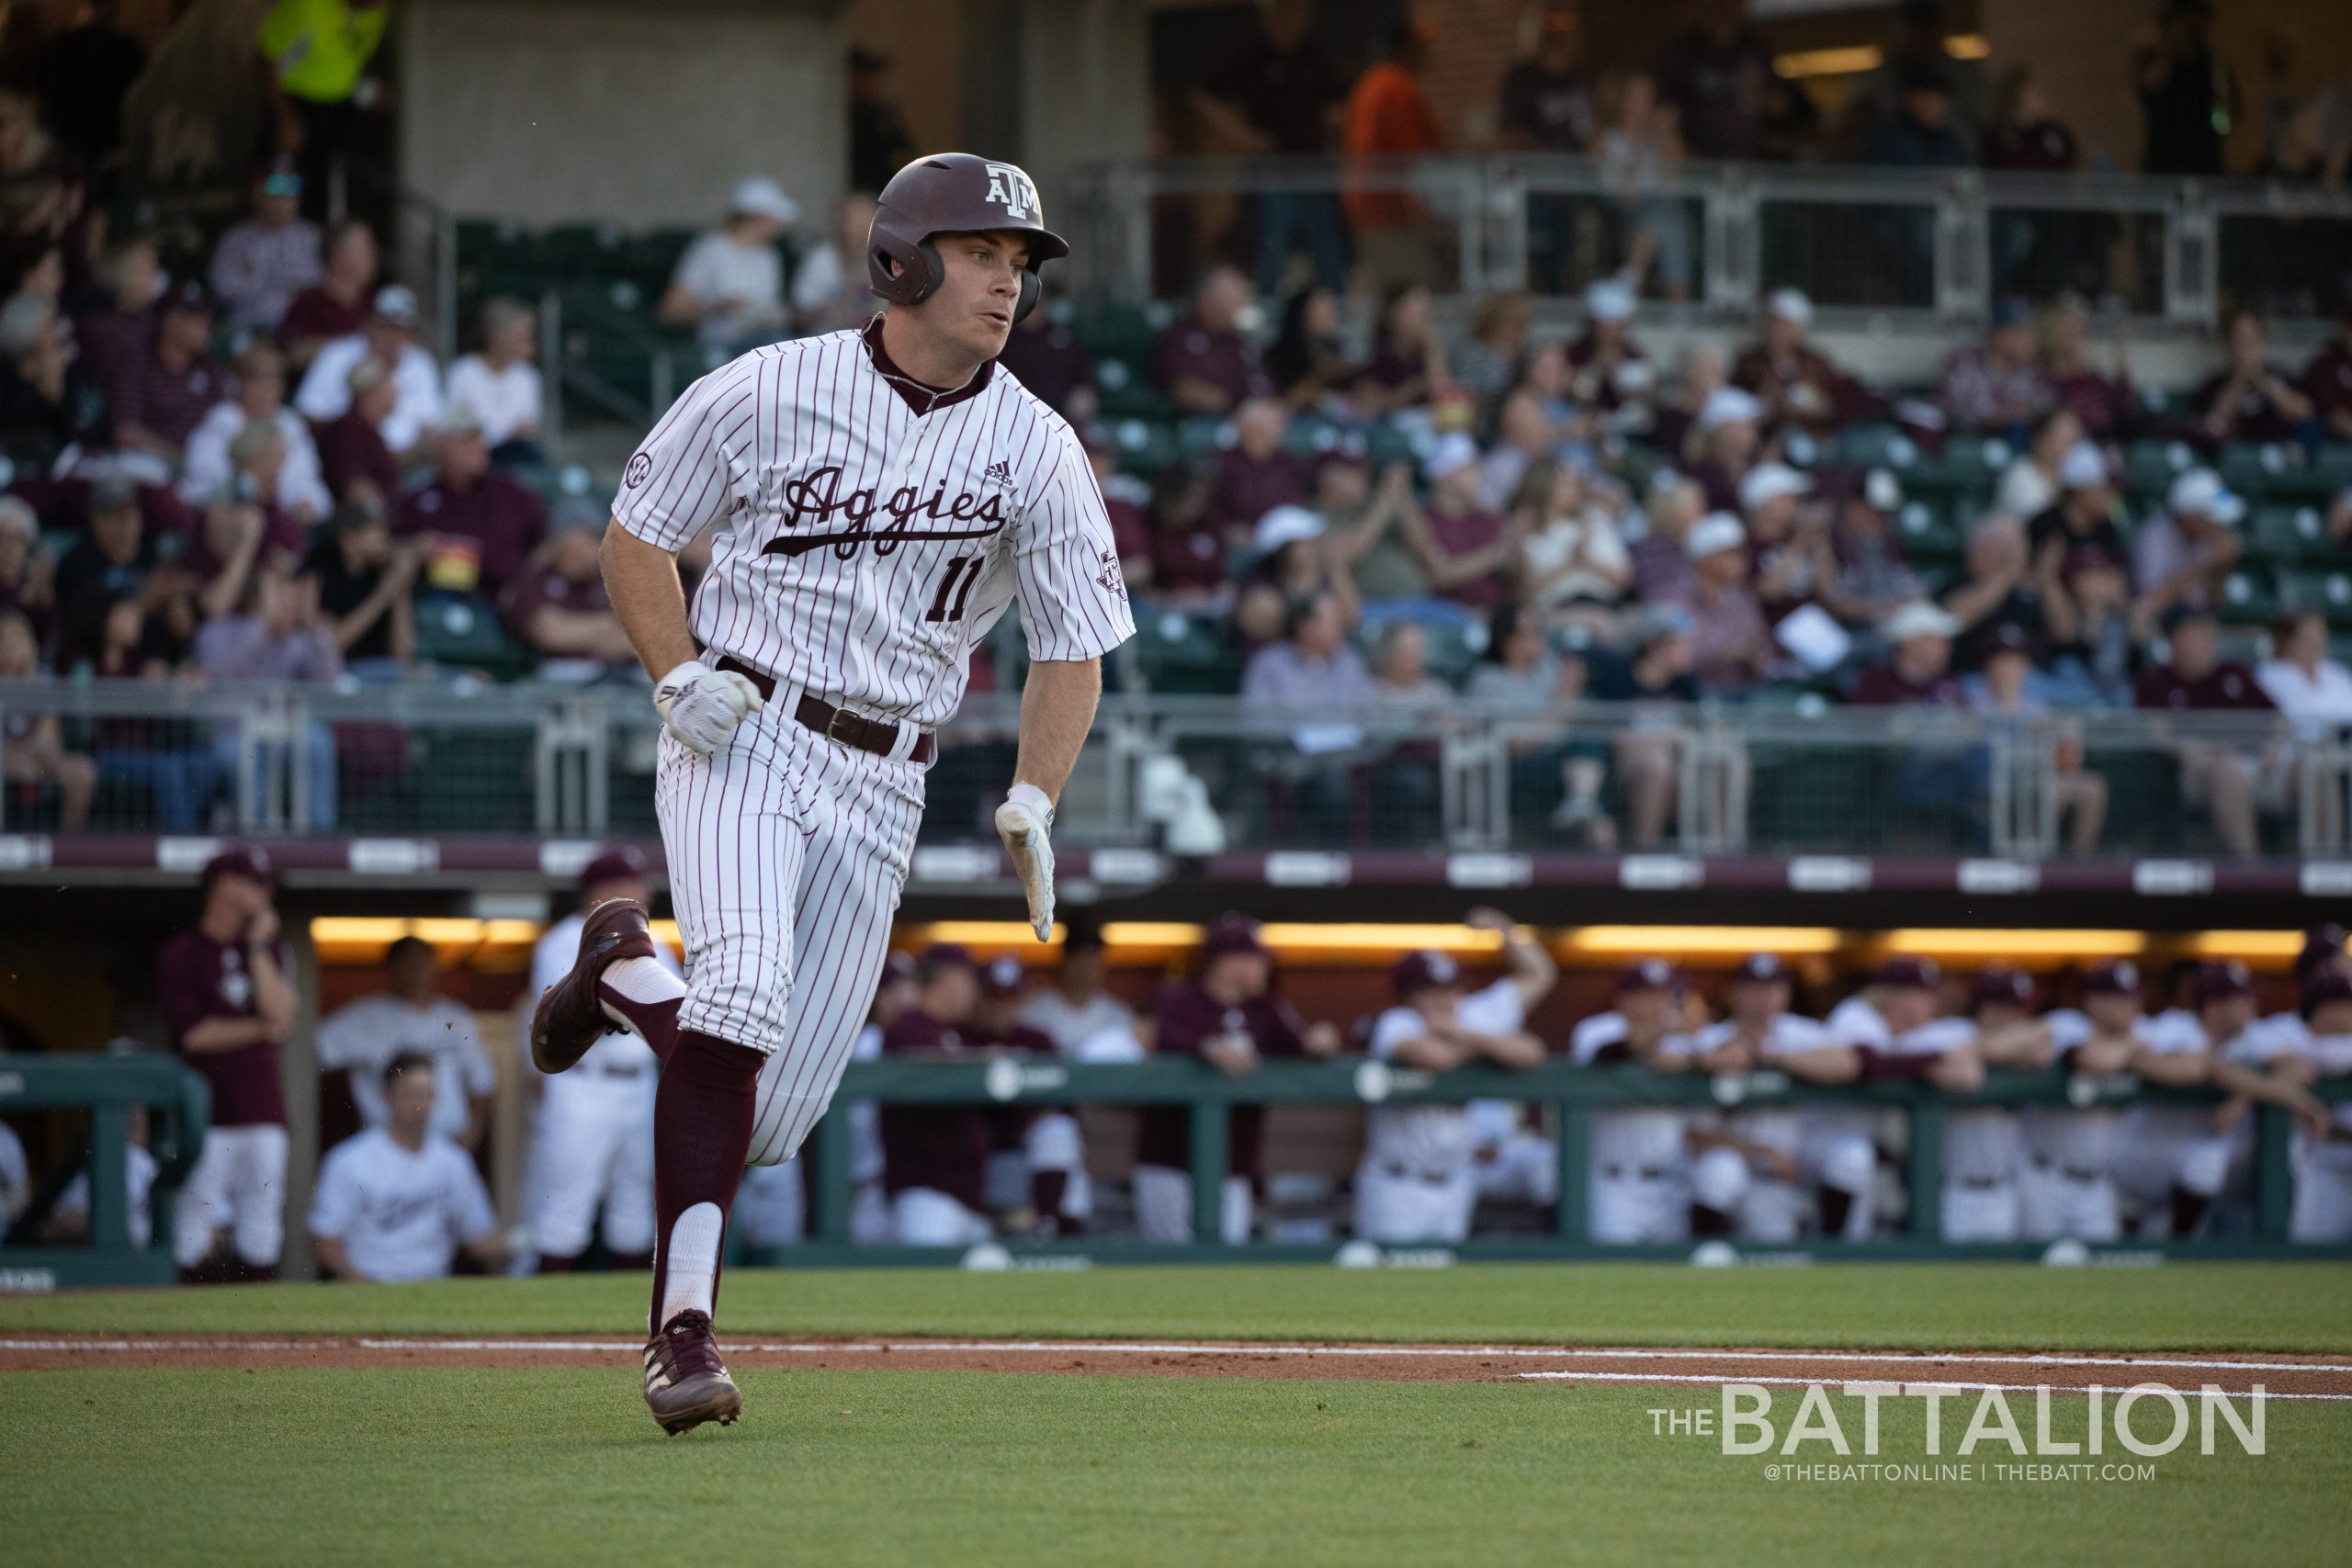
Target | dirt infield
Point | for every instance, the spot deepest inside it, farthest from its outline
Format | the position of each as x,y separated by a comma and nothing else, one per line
2284,1376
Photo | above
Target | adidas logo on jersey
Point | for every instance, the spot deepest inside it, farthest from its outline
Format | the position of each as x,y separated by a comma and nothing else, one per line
999,472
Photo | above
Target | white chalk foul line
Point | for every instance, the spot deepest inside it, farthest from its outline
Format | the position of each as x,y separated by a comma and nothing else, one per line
1200,1347
1902,1382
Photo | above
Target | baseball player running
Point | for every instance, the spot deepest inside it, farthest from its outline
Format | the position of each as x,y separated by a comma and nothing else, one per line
882,495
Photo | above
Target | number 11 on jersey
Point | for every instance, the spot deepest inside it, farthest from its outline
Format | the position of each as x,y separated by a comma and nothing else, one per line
957,582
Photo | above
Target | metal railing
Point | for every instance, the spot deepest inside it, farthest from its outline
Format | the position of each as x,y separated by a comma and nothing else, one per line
1569,1094
108,1088
1196,774
1941,243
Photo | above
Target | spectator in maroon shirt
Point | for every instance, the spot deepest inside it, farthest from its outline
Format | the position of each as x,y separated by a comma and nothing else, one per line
1187,553
557,607
1407,363
352,452
1255,475
1794,381
2327,380
2249,398
935,1157
1468,551
228,1004
337,305
2005,593
2024,133
2107,404
2232,782
1205,362
162,397
1919,670
482,526
1045,355
1230,1019
115,338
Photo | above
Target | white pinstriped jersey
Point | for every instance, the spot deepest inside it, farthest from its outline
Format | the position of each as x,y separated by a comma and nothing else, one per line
866,548
1980,1145
1780,1126
2286,1034
1643,1137
1432,1139
2077,1141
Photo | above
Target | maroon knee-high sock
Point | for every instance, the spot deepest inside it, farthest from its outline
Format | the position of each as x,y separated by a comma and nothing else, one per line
656,1023
702,1132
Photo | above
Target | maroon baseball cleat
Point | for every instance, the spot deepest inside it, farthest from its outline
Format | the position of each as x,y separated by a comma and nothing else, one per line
570,1017
686,1382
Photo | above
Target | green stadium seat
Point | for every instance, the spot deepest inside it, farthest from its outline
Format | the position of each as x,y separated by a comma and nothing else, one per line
2331,467
2253,470
1929,530
1185,654
2329,593
462,630
2290,533
1876,446
2151,466
2247,599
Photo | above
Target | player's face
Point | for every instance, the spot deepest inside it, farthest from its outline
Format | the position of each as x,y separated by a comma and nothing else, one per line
410,1100
1645,1009
973,307
1758,1002
950,994
1908,1008
2111,1012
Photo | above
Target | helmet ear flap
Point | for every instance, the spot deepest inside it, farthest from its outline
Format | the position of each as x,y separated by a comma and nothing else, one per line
934,271
1029,290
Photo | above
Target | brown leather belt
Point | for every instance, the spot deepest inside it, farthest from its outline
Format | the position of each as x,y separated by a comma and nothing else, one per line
879,735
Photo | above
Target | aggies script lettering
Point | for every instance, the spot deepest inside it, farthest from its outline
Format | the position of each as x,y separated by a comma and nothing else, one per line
819,497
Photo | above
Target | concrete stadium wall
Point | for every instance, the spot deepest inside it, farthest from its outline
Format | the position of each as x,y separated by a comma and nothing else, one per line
566,111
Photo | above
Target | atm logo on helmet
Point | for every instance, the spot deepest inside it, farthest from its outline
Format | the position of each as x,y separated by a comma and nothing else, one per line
1011,189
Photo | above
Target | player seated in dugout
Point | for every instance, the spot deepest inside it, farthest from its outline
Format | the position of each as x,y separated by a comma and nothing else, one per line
397,1202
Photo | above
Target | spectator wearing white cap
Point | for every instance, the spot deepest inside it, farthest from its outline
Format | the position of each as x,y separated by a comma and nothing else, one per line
2082,513
1918,669
728,285
2004,593
1599,360
1294,554
1788,537
1795,381
2030,485
1467,551
499,387
2184,554
1730,429
388,339
1731,646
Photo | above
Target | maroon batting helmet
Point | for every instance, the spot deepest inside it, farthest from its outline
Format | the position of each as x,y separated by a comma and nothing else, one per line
953,193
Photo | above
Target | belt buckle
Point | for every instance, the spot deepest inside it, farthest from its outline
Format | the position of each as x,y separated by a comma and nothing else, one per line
832,727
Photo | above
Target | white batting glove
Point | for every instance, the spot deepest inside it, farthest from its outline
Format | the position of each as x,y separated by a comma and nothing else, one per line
702,707
1024,821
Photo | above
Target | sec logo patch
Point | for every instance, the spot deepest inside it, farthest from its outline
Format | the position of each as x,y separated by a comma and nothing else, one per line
638,467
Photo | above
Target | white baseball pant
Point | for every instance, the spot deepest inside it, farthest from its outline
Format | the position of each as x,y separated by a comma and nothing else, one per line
923,1216
2057,1204
2322,1206
594,1149
2167,1146
1777,1211
238,1182
1164,1205
787,853
1980,1212
1398,1205
1624,1205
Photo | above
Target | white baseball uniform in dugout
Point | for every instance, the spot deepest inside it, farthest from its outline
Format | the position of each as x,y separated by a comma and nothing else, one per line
401,1215
871,531
1417,1183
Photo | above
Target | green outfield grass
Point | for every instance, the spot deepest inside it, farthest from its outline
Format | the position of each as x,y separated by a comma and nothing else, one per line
2205,1306
450,1467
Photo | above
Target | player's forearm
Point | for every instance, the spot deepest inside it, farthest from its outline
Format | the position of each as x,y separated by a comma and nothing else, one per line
641,581
331,1256
1056,710
223,1034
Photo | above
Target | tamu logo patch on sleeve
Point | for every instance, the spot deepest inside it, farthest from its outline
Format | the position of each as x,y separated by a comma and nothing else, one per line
1107,573
1011,189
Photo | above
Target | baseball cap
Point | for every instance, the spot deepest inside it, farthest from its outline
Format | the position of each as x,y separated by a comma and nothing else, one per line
1918,618
2116,977
396,302
112,493
1648,975
2201,493
1769,482
2083,468
188,295
1729,405
2216,982
941,956
761,197
1231,932
614,863
2322,944
1882,490
248,861
1760,969
1789,305
1002,976
1453,451
1610,300
1712,534
1425,970
2002,984
897,965
1285,525
1912,974
2323,988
